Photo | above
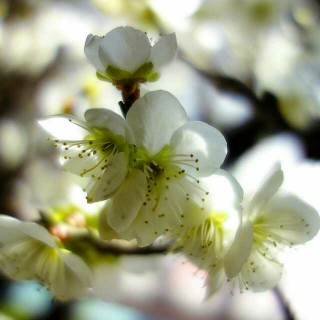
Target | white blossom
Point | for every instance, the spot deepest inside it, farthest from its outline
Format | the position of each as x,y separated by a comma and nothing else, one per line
28,251
207,242
270,224
97,149
126,53
170,157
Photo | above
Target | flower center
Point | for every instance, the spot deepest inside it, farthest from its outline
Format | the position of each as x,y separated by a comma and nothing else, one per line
205,242
101,145
165,170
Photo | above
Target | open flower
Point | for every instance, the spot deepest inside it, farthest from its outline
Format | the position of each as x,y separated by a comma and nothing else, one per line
97,149
207,243
170,157
125,56
270,223
28,251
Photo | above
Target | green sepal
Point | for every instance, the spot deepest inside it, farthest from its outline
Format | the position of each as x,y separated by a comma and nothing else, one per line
102,77
144,71
153,77
116,74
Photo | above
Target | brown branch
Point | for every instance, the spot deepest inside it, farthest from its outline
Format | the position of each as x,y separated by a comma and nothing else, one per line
106,247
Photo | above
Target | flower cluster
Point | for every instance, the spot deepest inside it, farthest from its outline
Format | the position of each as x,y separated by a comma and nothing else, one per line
160,174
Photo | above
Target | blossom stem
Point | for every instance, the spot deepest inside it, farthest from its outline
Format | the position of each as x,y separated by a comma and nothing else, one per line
129,97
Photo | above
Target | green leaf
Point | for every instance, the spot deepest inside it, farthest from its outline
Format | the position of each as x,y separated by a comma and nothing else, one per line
144,71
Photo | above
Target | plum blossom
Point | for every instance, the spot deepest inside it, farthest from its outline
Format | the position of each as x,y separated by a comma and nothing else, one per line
125,55
270,224
171,156
29,252
208,242
97,149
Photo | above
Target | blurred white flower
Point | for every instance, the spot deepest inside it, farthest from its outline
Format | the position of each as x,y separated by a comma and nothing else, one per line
125,54
13,143
171,155
72,89
28,251
158,285
97,149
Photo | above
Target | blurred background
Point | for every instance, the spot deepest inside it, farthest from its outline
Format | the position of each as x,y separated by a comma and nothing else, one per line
251,68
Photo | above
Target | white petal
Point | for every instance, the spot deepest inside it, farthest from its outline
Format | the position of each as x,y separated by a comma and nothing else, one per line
126,203
225,191
8,222
77,276
261,272
60,127
206,144
265,193
215,279
107,119
9,229
144,235
240,249
226,195
78,165
125,48
105,231
111,180
12,229
37,232
164,51
154,118
91,50
290,219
